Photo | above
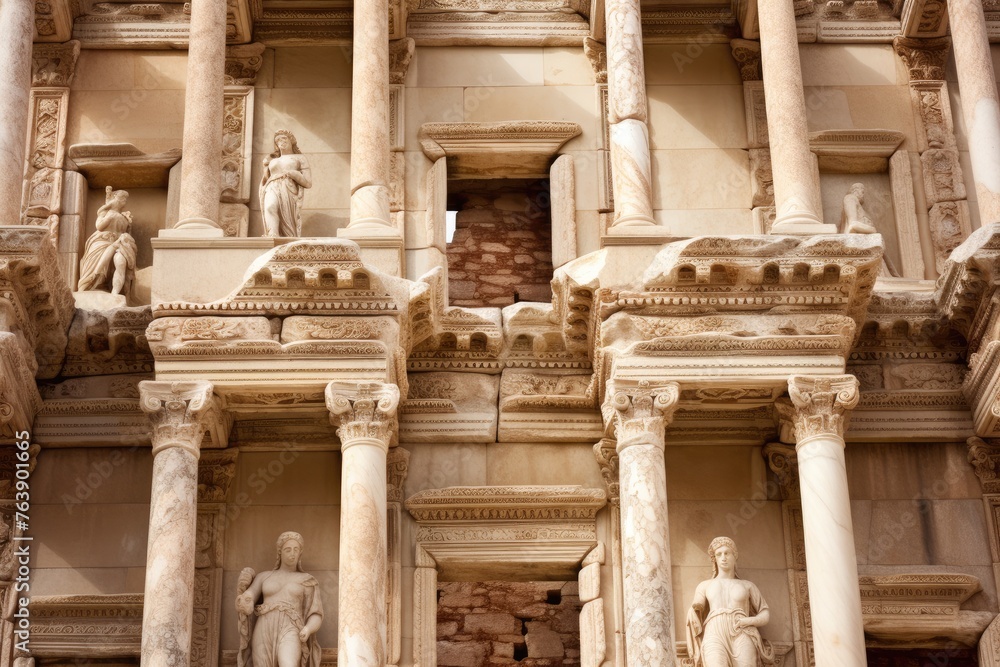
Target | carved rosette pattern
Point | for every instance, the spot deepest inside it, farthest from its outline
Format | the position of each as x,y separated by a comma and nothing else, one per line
178,413
640,415
365,414
822,404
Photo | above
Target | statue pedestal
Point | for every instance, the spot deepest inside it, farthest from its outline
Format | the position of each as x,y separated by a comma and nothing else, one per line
98,300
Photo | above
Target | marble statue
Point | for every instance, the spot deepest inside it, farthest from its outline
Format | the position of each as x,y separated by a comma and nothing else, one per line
111,251
279,612
856,218
723,622
286,177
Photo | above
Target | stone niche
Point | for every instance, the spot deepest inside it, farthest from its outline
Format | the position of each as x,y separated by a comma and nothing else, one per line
501,251
508,623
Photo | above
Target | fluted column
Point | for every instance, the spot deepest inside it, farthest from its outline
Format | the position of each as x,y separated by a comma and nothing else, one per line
980,103
178,412
17,25
799,206
641,415
365,414
201,170
630,158
819,414
370,118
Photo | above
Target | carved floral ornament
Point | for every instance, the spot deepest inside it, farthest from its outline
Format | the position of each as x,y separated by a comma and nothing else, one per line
640,413
179,413
820,405
363,411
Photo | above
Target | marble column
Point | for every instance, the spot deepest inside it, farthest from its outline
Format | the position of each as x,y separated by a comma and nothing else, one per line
641,415
819,415
201,169
178,412
980,103
17,25
370,120
365,416
630,160
799,206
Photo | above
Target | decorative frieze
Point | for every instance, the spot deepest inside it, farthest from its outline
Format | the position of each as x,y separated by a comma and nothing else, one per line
87,626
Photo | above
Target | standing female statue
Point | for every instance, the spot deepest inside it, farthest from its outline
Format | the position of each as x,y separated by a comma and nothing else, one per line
111,250
281,631
282,186
723,622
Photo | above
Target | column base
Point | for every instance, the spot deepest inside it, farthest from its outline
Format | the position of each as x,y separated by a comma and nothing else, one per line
367,228
202,228
801,225
636,233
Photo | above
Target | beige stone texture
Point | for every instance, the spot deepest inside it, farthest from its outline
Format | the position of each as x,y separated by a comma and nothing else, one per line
577,104
917,470
696,117
701,179
850,65
567,66
476,66
311,67
552,464
691,63
688,222
916,532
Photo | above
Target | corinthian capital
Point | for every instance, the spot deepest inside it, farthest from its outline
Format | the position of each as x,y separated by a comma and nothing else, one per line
640,413
180,413
821,404
363,410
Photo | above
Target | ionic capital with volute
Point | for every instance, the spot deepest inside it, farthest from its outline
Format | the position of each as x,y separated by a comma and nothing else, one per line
363,411
821,405
640,413
179,412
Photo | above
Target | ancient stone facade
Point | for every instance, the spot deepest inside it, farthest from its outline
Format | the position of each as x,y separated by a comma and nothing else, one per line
499,312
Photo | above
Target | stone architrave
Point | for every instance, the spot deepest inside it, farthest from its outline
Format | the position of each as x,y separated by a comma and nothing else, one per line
365,416
17,25
796,172
629,135
821,406
980,102
201,169
179,413
640,415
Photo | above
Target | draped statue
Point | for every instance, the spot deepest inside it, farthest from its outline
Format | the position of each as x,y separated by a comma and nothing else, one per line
111,251
282,186
723,622
279,612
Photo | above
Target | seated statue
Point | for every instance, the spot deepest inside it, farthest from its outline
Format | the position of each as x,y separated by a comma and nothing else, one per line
856,218
111,251
285,178
279,612
723,622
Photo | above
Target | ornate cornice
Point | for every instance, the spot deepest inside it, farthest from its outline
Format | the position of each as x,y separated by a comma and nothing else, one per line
242,64
782,461
747,55
924,58
640,413
821,404
54,64
984,455
396,468
506,503
216,470
363,411
180,414
400,53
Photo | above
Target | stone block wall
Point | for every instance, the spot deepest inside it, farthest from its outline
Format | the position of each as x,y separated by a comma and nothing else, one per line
508,623
501,252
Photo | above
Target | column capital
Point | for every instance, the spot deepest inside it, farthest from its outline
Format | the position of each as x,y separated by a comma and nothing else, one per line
606,453
984,455
243,61
782,461
820,405
640,413
180,413
363,411
747,55
924,58
54,64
